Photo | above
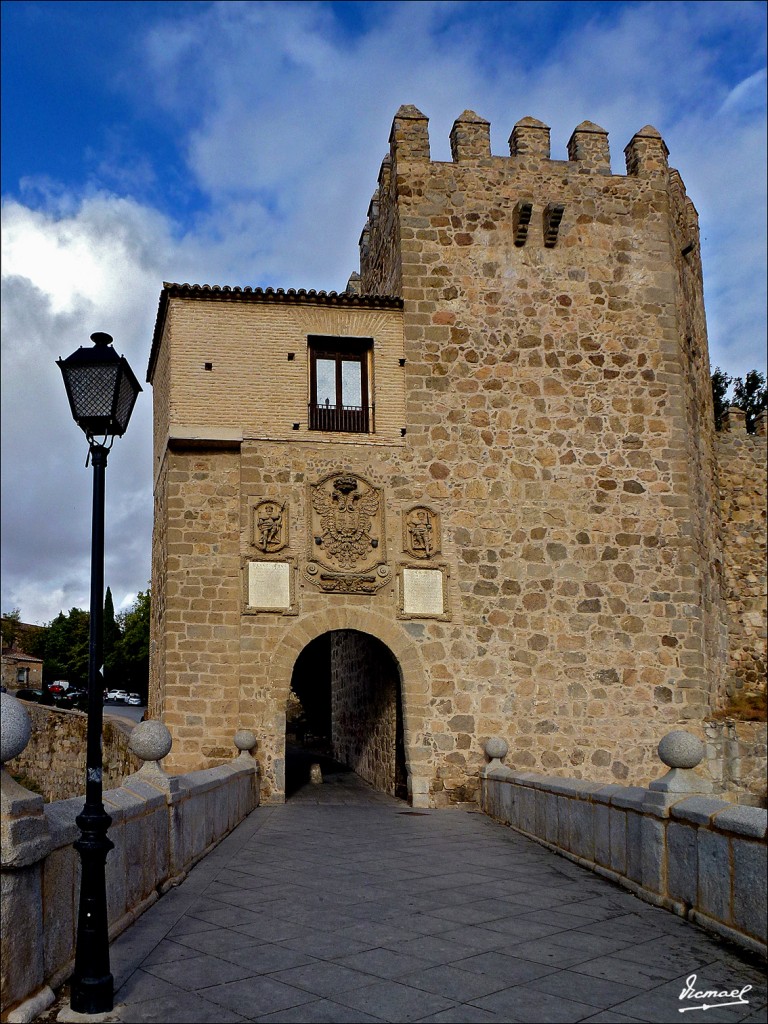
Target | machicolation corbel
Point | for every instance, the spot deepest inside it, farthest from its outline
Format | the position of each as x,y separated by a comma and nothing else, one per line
553,214
521,218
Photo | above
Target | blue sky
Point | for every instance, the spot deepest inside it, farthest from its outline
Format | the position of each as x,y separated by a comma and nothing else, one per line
239,143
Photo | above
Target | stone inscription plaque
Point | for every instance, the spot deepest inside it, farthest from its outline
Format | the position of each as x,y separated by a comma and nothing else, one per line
269,585
423,592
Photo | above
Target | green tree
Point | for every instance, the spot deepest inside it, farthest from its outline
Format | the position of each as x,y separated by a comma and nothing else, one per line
66,648
34,639
135,643
748,393
721,382
751,395
113,660
10,626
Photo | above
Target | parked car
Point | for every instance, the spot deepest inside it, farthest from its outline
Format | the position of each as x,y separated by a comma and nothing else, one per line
134,699
72,698
117,695
31,695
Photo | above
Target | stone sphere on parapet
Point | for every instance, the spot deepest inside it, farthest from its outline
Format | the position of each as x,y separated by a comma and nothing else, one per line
244,739
15,727
496,747
680,749
151,741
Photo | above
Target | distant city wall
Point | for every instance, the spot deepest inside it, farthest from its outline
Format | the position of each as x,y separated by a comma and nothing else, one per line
741,467
59,739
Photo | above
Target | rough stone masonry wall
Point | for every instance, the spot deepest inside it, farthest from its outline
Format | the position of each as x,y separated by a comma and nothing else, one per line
198,594
364,712
543,404
59,738
702,529
741,463
735,760
548,409
157,645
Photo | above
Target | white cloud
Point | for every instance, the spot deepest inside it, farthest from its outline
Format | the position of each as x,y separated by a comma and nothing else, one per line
748,95
283,117
64,277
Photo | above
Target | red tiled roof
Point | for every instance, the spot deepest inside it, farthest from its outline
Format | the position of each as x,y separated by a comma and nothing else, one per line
17,655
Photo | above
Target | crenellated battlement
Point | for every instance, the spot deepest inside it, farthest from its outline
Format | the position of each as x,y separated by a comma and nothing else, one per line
529,144
542,202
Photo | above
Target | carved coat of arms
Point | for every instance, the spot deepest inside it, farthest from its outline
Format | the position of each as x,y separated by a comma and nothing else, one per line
346,523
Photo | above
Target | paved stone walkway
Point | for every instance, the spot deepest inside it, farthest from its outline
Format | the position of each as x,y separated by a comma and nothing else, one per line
347,905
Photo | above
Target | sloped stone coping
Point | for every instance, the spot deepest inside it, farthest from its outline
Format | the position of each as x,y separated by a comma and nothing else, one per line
699,857
162,825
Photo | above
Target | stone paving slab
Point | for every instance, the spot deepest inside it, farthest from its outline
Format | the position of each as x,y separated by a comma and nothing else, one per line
344,905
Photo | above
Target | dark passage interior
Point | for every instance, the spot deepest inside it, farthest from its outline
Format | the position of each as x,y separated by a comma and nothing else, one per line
346,705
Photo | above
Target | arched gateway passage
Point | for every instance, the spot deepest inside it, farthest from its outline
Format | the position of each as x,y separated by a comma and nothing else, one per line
345,702
398,641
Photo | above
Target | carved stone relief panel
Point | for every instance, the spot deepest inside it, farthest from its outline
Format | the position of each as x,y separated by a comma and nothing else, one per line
347,583
421,532
346,536
270,526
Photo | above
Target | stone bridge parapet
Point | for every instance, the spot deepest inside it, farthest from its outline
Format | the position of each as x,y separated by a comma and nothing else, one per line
162,825
671,844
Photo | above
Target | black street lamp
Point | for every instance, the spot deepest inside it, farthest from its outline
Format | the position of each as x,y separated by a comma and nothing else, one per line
102,390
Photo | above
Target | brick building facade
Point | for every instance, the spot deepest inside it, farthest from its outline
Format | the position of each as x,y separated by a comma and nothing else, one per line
474,494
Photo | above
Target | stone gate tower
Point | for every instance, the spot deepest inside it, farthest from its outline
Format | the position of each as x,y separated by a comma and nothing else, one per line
484,473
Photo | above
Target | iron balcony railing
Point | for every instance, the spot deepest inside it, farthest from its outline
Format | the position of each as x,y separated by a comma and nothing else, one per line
350,419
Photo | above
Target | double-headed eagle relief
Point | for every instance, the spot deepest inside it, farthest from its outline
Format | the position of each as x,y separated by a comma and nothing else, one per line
346,543
346,523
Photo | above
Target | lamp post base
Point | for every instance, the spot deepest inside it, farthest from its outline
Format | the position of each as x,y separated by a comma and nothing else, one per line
92,987
92,995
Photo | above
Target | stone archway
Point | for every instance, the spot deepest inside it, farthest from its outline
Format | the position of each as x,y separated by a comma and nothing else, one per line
412,681
346,705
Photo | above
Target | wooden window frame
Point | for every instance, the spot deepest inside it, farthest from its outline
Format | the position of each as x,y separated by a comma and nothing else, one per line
339,418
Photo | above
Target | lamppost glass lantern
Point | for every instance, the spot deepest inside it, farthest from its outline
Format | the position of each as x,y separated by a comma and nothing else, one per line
101,387
102,390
